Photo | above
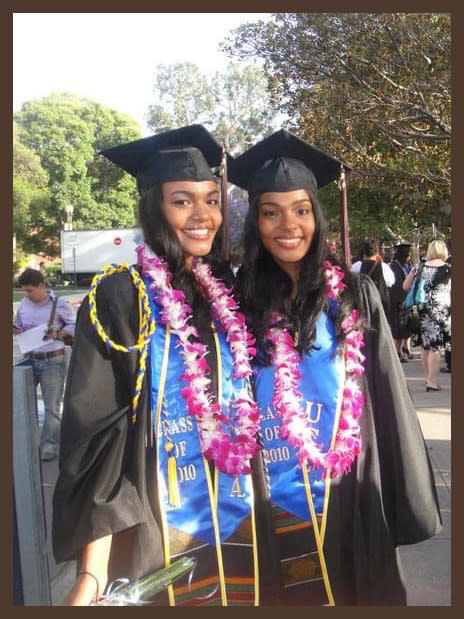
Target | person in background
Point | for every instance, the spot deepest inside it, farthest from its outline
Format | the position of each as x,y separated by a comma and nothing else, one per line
435,328
349,477
423,253
235,261
407,342
400,265
332,248
448,247
48,361
381,274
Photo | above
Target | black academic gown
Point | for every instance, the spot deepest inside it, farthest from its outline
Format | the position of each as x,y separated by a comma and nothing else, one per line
389,498
397,296
105,484
107,474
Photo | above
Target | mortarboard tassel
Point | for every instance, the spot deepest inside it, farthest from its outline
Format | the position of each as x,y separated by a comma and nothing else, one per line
225,249
173,484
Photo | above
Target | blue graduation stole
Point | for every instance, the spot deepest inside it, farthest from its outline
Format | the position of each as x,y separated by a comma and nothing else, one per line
321,385
174,424
300,495
211,505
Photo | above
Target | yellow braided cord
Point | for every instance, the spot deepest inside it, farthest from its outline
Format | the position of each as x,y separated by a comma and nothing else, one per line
146,324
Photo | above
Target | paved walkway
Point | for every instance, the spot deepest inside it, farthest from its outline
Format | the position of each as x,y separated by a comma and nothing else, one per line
427,566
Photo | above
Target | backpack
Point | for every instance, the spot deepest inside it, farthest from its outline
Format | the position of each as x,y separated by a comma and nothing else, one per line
376,274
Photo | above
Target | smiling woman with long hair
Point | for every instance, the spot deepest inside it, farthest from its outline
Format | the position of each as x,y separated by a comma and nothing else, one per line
348,473
159,425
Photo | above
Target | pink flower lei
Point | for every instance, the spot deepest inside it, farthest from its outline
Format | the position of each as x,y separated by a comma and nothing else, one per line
230,443
286,399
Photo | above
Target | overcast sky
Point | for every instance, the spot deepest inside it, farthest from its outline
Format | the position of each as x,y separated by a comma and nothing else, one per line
111,57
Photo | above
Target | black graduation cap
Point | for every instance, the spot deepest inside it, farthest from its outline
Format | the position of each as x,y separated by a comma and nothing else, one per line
402,248
184,154
283,162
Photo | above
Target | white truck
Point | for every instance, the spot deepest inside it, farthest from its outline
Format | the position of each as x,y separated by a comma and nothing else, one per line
85,252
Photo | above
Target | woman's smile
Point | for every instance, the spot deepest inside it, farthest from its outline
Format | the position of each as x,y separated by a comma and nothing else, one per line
288,242
197,233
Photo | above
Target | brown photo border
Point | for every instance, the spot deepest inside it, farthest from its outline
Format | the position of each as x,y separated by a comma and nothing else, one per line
85,6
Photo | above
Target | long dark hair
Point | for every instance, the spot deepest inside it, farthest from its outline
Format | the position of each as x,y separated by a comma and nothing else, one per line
264,287
160,237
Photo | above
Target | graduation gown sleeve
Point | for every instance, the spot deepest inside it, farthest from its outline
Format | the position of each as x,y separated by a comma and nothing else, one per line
407,486
101,488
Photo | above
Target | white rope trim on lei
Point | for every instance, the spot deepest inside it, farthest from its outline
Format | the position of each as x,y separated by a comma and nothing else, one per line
230,443
296,428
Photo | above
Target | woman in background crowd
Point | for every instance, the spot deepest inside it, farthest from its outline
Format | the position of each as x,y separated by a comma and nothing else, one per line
400,265
372,264
435,328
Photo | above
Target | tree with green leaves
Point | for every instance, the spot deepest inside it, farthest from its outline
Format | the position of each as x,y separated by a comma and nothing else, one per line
65,133
374,89
183,97
30,195
234,104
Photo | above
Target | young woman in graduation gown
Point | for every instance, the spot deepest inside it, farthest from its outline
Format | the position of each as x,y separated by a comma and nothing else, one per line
348,474
158,423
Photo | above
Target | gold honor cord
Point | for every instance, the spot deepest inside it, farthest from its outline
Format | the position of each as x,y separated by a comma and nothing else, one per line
146,324
332,445
217,537
164,370
159,403
317,536
255,547
215,489
164,523
320,535
216,482
141,318
219,399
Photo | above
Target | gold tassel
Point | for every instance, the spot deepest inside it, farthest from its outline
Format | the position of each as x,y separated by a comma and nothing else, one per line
173,485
